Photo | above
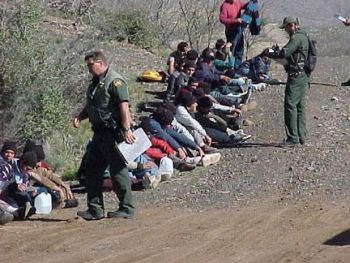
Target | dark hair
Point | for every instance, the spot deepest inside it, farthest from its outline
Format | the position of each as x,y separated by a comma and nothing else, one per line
206,53
181,46
187,99
39,150
9,146
198,92
205,102
170,106
192,80
190,64
192,55
29,159
205,86
163,115
96,55
29,146
219,43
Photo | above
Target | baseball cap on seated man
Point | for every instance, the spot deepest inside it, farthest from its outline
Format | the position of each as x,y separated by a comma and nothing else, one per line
289,20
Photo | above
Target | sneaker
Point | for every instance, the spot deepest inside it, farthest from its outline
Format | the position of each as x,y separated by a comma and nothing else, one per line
246,96
5,217
120,214
185,167
182,165
165,177
88,216
239,138
205,161
151,181
259,87
347,83
193,160
28,211
214,158
208,149
69,203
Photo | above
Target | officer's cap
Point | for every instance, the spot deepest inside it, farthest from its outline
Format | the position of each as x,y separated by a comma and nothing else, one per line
288,20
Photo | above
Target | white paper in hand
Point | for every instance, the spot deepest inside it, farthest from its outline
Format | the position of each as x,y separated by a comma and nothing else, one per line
130,152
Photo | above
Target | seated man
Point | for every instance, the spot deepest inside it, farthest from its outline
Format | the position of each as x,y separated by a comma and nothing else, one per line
256,68
186,105
224,60
177,56
14,187
215,126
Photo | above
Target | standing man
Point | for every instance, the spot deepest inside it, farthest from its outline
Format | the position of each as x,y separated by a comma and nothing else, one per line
230,16
296,53
107,109
347,83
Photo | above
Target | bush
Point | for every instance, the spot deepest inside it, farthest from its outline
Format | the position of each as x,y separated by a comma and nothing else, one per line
131,25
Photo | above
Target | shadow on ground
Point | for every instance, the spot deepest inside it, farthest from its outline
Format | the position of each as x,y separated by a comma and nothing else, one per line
341,239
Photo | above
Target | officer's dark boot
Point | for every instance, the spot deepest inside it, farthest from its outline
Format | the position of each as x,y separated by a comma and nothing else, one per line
121,214
347,83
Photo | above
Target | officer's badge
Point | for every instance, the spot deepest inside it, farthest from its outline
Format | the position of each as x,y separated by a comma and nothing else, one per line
117,83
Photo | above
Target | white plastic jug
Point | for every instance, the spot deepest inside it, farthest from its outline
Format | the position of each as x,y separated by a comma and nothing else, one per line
42,203
166,166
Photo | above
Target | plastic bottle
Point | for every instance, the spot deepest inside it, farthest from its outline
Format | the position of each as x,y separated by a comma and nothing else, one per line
42,203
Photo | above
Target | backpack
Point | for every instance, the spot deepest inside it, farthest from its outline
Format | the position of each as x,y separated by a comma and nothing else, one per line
311,59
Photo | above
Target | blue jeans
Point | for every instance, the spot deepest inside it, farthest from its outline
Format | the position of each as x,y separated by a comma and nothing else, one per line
140,173
235,37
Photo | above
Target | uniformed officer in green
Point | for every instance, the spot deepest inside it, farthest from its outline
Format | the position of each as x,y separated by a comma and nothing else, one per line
296,53
107,109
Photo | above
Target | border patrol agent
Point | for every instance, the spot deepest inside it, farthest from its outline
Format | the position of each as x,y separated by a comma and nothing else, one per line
107,109
296,53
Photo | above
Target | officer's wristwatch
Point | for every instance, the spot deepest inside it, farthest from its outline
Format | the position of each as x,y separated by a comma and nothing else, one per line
125,129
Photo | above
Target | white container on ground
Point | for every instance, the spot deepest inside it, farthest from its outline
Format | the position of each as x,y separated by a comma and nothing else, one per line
43,204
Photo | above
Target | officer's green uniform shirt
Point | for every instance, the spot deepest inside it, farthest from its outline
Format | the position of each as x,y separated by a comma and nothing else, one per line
104,95
297,41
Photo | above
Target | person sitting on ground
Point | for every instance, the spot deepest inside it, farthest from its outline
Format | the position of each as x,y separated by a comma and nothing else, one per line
206,72
32,146
192,56
145,171
186,106
215,126
14,188
177,56
183,78
256,68
8,153
161,125
224,60
60,191
161,149
172,81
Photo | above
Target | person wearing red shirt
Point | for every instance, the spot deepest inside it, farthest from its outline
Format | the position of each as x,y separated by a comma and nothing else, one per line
230,16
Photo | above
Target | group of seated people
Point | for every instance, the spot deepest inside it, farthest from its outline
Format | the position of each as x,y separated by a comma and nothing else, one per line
24,178
202,108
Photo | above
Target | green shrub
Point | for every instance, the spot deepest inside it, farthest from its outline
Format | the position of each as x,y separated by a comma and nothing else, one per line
134,26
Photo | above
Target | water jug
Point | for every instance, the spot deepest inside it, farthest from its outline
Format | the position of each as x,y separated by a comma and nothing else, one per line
42,203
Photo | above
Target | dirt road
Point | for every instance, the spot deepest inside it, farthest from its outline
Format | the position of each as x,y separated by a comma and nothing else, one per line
266,232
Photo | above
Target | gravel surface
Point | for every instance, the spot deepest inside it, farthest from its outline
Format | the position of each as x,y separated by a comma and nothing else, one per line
252,173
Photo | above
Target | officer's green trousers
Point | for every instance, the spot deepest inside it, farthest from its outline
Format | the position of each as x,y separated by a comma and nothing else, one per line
294,108
102,154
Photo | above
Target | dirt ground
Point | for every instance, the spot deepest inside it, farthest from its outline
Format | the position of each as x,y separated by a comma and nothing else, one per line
262,232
